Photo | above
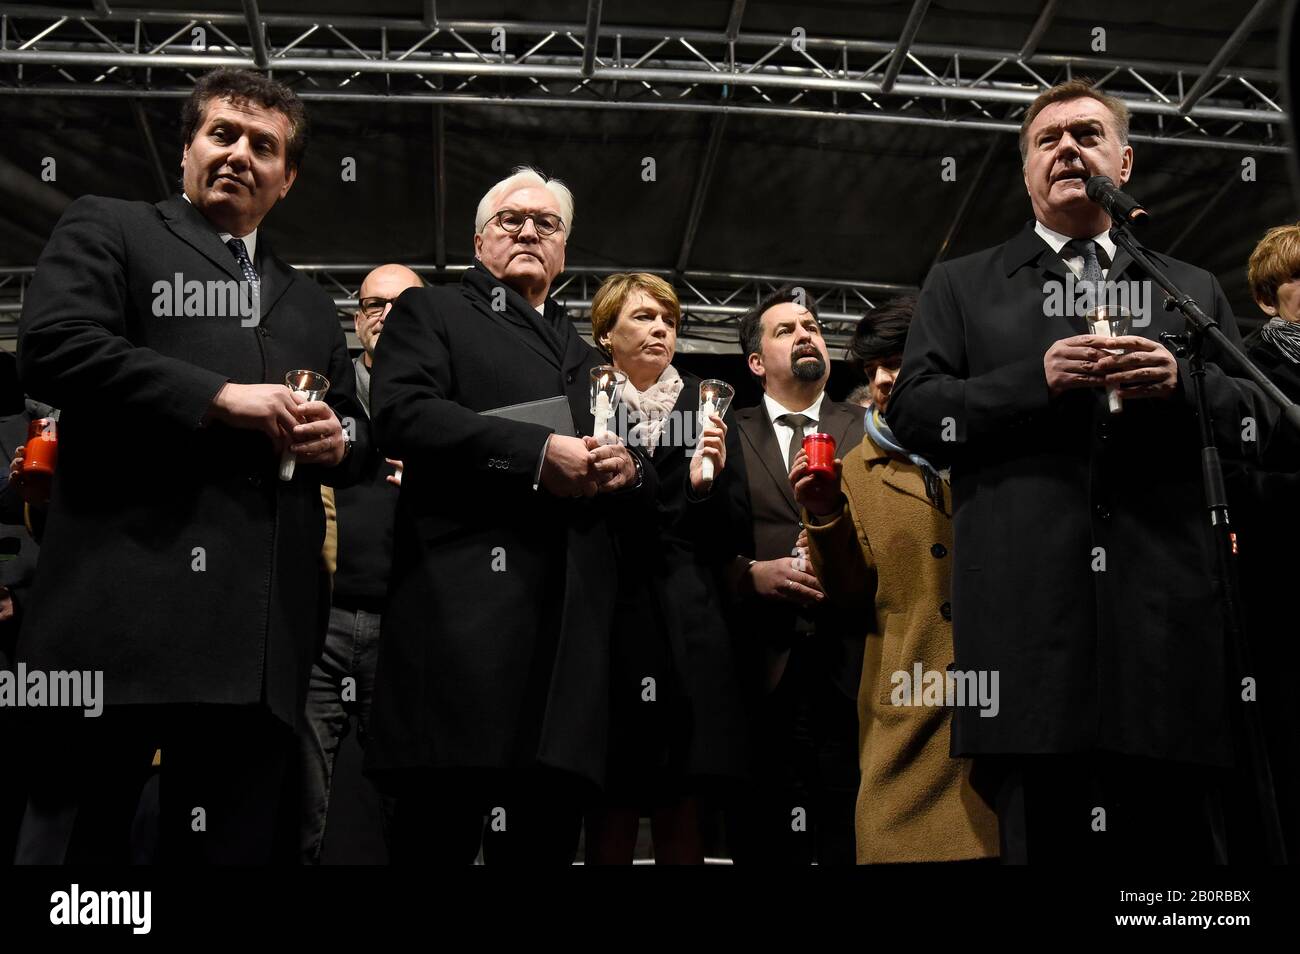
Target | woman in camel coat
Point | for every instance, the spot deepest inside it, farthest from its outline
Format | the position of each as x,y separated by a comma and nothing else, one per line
884,543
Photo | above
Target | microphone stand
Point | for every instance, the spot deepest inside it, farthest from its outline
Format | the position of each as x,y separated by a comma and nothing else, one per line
1199,327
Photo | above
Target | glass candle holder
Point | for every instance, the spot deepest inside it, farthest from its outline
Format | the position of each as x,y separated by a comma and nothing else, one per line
312,385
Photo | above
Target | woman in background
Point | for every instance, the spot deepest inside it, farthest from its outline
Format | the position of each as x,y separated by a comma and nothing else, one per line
1264,514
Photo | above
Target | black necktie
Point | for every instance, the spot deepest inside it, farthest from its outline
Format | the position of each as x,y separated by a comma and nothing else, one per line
240,251
795,422
1091,264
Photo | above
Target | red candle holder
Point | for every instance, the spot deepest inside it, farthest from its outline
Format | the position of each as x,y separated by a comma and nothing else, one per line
820,449
39,457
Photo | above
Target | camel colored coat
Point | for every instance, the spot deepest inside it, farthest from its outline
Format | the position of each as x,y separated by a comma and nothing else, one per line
915,802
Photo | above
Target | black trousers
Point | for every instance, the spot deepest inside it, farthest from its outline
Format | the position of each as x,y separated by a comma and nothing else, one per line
226,790
526,817
1101,808
799,805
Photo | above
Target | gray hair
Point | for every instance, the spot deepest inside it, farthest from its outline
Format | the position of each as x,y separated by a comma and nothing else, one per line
521,178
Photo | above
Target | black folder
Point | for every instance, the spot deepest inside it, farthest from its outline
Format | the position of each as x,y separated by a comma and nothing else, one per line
552,413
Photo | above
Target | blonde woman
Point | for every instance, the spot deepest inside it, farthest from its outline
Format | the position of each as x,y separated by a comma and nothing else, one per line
676,726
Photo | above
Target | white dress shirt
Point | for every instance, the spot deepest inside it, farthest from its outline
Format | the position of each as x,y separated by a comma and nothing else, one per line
784,432
250,240
1058,241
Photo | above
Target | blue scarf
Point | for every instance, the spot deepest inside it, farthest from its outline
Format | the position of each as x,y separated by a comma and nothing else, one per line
883,437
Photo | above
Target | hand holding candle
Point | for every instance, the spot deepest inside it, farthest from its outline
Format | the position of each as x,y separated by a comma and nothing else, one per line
715,398
606,386
1107,325
39,457
815,476
312,385
820,450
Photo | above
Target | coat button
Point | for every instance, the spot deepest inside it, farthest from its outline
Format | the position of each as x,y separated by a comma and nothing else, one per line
945,610
938,551
255,480
1102,512
569,378
261,330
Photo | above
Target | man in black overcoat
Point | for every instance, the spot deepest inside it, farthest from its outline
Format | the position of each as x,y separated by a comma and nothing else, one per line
1084,570
175,560
492,690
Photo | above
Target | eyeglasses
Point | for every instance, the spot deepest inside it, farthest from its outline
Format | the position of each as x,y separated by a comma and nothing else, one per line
373,306
512,221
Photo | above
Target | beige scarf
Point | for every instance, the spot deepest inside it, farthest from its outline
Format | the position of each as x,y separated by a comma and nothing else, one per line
650,408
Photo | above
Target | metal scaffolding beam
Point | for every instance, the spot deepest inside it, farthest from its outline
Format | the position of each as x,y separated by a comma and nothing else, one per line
590,37
1035,37
528,28
733,20
1226,52
440,189
899,54
145,129
1206,208
683,74
653,69
702,184
712,302
779,112
963,208
255,34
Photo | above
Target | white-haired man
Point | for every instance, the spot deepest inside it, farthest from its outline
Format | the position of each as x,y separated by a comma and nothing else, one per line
492,689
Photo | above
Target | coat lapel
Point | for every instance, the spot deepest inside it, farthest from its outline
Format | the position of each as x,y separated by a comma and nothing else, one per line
276,276
518,315
576,351
757,430
1029,250
188,224
906,477
517,326
1122,261
837,420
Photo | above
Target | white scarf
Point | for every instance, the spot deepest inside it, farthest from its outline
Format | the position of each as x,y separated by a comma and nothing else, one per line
650,408
1284,336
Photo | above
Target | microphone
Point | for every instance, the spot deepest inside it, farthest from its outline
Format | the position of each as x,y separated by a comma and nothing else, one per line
1121,206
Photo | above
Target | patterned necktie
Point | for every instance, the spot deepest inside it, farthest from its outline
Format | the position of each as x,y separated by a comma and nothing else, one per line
795,422
1091,265
240,251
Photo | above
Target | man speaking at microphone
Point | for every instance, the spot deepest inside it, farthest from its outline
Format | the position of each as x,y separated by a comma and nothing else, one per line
1084,565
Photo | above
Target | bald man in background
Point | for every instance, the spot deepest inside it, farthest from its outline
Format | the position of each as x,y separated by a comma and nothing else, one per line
343,678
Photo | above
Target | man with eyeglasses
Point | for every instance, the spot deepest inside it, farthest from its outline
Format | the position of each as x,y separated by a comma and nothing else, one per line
343,677
492,695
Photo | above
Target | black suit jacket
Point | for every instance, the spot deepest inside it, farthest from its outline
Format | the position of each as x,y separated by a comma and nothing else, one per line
174,559
495,647
768,521
1048,491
